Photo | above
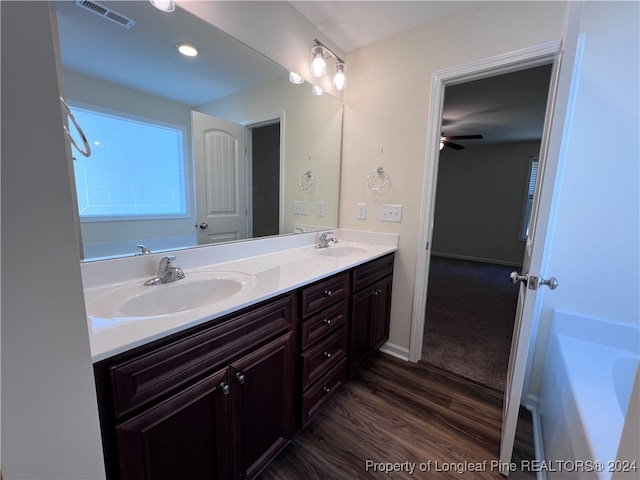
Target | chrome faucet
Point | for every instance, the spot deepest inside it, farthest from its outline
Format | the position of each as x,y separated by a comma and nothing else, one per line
324,239
166,272
144,250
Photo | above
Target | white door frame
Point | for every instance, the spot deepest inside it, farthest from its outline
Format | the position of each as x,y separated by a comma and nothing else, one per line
263,121
498,65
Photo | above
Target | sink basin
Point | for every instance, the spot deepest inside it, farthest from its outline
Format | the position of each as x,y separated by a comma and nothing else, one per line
199,289
349,251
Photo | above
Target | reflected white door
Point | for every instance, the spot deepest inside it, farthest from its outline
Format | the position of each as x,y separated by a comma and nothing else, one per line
558,111
220,170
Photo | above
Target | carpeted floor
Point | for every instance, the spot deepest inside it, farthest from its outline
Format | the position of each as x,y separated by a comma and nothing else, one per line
469,319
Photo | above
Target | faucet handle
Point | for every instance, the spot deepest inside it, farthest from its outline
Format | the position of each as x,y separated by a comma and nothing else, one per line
145,250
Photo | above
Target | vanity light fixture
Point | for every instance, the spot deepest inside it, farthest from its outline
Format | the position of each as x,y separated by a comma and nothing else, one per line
317,90
164,5
319,56
295,78
187,50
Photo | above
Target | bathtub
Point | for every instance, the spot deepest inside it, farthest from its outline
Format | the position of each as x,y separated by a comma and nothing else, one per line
586,387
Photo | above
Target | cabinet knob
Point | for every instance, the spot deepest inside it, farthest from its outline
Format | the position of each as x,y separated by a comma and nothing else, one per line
224,388
327,355
326,390
377,292
240,378
327,321
327,293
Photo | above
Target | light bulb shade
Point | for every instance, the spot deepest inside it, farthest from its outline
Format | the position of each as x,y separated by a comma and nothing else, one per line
317,90
339,77
295,78
164,5
318,63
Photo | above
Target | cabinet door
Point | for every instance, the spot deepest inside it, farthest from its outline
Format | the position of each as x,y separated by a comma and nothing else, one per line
381,311
261,406
361,328
186,436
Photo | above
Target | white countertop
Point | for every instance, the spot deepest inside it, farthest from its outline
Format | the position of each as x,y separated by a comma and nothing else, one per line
275,266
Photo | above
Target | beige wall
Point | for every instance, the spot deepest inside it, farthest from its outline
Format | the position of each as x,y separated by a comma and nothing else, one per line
386,109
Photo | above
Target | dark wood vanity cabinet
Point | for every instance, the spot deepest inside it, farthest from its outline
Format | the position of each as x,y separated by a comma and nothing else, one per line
324,329
214,403
218,401
370,309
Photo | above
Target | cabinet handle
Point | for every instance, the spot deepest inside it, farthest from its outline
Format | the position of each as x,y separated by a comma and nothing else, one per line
240,378
327,293
327,355
327,321
326,390
224,388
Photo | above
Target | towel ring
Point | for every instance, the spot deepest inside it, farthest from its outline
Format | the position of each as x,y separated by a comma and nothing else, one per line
87,148
371,178
307,181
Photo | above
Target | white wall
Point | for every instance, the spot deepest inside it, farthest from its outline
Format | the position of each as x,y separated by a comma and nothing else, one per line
313,132
49,411
479,201
387,105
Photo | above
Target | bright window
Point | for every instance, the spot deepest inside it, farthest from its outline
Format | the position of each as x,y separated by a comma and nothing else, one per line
136,169
528,203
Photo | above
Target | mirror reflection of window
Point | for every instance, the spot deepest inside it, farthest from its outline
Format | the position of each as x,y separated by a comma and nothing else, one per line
136,171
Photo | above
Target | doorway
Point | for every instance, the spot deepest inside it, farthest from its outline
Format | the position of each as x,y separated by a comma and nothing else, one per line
265,180
482,189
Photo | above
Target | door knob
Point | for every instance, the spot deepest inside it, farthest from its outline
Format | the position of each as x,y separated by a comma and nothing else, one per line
532,282
203,226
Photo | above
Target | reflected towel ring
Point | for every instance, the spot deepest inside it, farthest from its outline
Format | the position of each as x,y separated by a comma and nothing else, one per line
371,178
87,148
307,181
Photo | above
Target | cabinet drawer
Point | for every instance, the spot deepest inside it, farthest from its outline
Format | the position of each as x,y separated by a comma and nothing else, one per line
324,323
318,395
371,272
324,293
144,378
319,359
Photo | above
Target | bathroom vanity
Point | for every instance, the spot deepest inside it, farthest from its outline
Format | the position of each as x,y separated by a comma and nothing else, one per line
220,397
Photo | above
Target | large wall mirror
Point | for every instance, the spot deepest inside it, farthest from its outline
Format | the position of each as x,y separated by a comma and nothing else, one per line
169,133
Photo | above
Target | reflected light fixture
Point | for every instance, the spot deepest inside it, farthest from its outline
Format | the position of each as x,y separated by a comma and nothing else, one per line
317,90
319,56
442,139
164,5
295,78
339,78
187,50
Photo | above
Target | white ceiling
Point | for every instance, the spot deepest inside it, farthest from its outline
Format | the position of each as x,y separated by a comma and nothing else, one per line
353,25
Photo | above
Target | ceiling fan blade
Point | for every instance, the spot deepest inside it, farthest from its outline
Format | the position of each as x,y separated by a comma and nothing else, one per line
464,137
455,146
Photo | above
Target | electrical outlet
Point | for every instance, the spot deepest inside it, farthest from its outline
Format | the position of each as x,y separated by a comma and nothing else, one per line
299,207
391,213
320,209
361,211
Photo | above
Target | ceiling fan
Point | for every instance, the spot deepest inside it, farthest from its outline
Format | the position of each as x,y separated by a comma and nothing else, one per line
445,141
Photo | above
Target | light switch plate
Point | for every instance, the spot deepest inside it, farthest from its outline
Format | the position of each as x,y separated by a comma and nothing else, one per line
391,213
361,212
320,209
299,207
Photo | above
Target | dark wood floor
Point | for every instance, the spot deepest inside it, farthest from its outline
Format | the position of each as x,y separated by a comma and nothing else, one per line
397,412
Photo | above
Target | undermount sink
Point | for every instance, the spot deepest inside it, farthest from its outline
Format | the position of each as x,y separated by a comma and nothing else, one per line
349,251
135,300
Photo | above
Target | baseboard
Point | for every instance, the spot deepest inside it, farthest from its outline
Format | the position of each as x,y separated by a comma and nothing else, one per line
478,259
531,403
395,351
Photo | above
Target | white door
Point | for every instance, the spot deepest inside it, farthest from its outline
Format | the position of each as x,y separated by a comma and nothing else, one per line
220,168
558,111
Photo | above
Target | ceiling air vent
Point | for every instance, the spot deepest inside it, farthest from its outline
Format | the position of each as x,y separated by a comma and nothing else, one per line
106,12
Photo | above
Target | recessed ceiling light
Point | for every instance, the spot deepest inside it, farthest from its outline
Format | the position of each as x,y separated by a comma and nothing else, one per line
188,50
164,5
